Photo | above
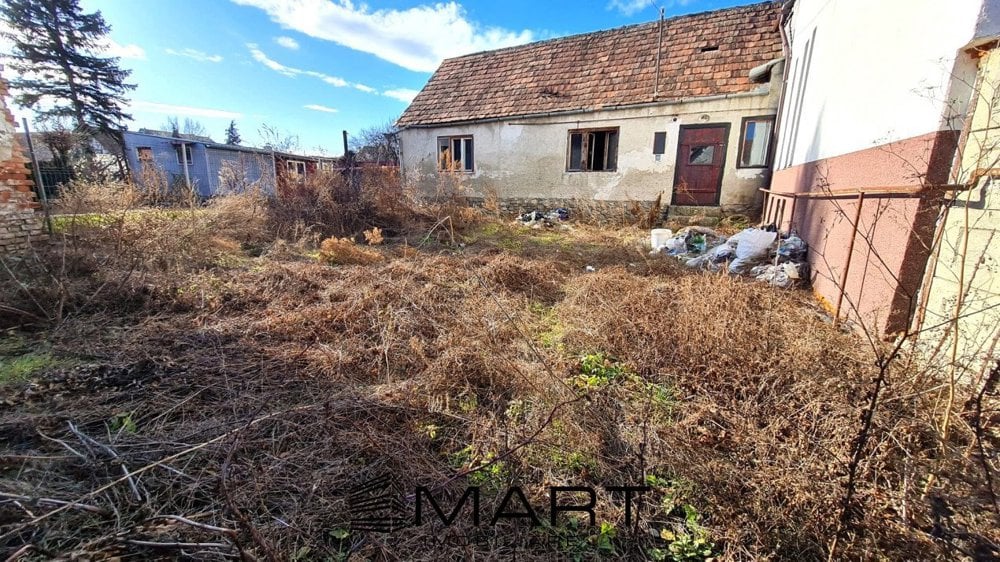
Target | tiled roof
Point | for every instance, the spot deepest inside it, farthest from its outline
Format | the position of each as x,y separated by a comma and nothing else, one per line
604,69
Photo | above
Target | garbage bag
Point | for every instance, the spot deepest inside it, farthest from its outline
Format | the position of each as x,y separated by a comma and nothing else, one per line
531,216
792,248
752,248
676,245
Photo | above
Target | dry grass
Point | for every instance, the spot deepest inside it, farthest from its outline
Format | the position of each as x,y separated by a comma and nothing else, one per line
273,384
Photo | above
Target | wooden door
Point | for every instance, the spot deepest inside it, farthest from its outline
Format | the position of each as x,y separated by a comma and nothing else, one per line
701,157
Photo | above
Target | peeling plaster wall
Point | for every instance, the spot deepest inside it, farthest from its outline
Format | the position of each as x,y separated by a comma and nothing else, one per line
526,158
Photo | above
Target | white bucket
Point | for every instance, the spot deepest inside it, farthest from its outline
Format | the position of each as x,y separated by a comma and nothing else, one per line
658,237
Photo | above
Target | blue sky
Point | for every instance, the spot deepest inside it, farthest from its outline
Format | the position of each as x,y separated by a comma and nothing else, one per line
316,67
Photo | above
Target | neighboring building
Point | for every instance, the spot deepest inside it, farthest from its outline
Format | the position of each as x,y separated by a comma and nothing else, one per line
872,112
684,108
960,309
208,167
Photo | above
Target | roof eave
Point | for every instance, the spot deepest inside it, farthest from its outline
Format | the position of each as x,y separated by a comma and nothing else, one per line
761,91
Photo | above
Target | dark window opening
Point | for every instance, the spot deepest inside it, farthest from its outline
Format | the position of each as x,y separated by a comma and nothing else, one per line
145,153
593,150
709,48
659,143
456,154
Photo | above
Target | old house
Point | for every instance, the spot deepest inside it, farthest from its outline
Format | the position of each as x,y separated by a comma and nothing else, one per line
189,160
890,183
681,108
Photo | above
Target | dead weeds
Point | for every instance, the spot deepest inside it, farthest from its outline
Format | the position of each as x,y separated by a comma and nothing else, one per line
228,395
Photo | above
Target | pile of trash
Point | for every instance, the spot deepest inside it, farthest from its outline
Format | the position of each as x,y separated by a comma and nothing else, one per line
538,219
760,253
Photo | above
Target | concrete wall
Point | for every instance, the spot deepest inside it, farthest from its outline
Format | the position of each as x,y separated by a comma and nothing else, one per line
19,222
872,101
526,158
964,281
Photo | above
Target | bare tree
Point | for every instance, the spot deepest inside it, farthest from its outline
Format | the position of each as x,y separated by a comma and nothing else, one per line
189,127
377,143
274,138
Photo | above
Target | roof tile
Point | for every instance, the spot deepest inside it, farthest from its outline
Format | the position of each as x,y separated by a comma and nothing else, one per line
575,72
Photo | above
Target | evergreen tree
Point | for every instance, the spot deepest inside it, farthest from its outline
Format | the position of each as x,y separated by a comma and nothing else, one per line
60,73
232,135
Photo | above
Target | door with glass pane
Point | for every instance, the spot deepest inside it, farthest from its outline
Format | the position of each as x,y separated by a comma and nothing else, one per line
701,157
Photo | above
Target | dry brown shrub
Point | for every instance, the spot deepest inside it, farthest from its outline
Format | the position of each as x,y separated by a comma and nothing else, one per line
343,251
429,364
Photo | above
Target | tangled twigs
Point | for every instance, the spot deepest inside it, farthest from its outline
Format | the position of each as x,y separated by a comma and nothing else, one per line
240,516
150,466
50,501
89,442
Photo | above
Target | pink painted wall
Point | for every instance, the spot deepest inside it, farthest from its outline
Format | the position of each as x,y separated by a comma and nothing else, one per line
894,234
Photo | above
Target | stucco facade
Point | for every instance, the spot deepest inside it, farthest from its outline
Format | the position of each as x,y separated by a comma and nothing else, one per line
874,104
962,297
527,157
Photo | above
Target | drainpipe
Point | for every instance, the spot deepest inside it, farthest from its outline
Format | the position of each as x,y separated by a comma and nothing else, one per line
274,172
786,49
184,163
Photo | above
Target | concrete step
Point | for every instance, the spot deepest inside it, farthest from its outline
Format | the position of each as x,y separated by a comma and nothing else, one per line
694,211
680,221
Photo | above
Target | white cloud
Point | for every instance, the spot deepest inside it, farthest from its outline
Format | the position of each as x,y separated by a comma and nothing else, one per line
183,110
114,49
630,7
287,42
402,94
292,72
274,65
417,38
323,108
196,55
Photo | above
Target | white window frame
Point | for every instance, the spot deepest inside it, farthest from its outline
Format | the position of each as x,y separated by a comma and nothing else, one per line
466,144
188,153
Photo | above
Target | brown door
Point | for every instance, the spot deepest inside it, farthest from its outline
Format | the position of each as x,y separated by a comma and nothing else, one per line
701,156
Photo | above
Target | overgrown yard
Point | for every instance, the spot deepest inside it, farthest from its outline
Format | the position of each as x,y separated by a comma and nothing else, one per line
218,384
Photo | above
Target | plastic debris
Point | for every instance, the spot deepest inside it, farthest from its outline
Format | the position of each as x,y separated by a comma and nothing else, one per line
590,269
758,252
751,249
783,275
539,219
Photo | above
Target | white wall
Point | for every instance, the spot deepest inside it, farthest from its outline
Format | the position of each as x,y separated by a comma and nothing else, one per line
880,71
526,158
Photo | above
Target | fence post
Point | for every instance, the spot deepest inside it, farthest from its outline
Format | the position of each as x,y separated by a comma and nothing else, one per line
43,197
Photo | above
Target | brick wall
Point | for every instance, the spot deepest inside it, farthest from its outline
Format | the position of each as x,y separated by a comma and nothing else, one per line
19,221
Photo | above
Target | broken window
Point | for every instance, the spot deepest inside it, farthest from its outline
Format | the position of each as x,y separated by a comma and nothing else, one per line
187,154
701,155
296,168
593,150
456,154
755,142
145,153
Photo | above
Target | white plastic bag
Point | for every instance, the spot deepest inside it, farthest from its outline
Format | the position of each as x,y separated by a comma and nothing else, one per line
752,247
